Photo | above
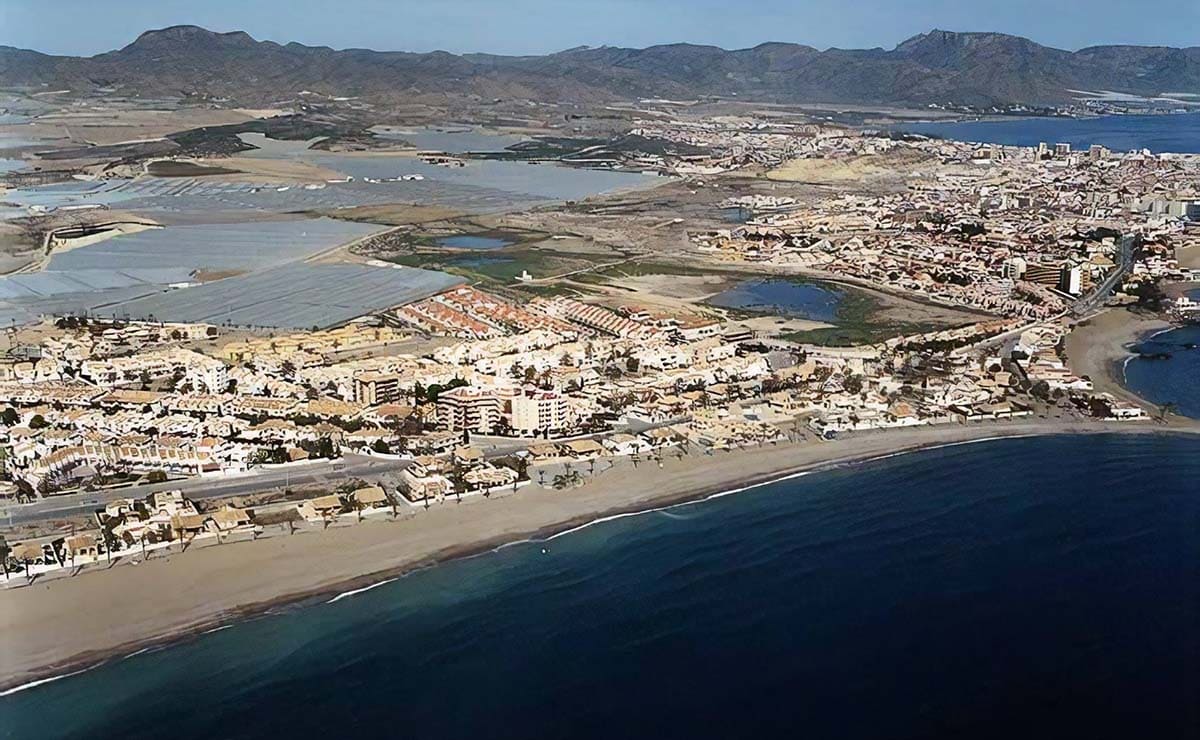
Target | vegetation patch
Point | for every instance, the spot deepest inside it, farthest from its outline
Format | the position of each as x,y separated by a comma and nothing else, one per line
171,168
858,322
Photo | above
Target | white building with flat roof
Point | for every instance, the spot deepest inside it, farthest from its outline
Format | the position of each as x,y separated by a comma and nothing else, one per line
539,412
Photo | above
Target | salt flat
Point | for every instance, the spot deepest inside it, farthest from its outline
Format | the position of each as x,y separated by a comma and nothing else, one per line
294,296
239,246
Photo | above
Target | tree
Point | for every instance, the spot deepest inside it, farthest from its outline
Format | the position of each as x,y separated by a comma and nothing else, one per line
38,422
853,384
10,417
156,476
458,476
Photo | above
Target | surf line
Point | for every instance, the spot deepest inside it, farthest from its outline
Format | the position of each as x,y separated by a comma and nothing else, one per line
42,681
358,591
817,468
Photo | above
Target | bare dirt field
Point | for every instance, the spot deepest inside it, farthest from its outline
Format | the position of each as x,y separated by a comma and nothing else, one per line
893,165
1189,256
102,125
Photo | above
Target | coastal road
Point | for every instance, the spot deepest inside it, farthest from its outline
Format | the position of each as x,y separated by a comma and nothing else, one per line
262,479
493,447
1089,303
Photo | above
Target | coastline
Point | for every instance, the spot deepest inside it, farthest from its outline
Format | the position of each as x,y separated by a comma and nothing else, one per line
1099,347
47,635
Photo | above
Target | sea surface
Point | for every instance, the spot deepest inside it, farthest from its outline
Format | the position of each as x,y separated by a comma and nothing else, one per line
1168,369
1044,587
1164,133
779,297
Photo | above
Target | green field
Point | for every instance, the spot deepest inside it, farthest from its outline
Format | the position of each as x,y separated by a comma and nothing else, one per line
498,265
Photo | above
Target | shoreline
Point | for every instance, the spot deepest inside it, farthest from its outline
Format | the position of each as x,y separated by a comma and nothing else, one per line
1099,348
47,637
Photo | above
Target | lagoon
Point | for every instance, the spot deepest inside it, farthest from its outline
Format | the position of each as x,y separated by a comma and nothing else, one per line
473,241
788,298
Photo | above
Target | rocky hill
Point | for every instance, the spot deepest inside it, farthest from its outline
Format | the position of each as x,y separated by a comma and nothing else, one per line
935,67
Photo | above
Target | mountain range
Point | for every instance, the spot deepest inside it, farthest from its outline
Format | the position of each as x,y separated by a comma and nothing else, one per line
936,67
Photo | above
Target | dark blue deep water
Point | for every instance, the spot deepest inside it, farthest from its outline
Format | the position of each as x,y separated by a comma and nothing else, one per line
1028,588
788,298
1168,133
1171,379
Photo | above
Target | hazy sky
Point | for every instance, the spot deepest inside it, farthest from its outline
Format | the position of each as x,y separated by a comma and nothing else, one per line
539,26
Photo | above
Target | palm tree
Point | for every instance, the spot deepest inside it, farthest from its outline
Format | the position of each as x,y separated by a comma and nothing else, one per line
458,477
109,544
1166,408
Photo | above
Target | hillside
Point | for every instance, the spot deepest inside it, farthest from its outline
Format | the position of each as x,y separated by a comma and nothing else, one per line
935,67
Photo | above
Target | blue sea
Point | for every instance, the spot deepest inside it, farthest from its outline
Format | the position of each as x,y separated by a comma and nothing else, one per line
1170,379
1164,133
1019,588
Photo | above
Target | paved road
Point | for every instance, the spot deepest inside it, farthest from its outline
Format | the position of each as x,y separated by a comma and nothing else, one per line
351,466
1097,297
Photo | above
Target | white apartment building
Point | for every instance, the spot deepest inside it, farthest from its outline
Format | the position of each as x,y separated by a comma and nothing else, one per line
472,409
539,412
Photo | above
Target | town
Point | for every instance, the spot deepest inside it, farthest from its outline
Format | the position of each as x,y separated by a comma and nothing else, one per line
476,391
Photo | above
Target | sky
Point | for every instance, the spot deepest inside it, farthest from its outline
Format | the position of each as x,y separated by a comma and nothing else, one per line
85,27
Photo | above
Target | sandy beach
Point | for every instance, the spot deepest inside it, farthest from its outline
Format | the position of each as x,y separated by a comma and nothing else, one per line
1098,348
56,626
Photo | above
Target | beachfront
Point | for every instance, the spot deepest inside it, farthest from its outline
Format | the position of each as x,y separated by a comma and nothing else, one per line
46,634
